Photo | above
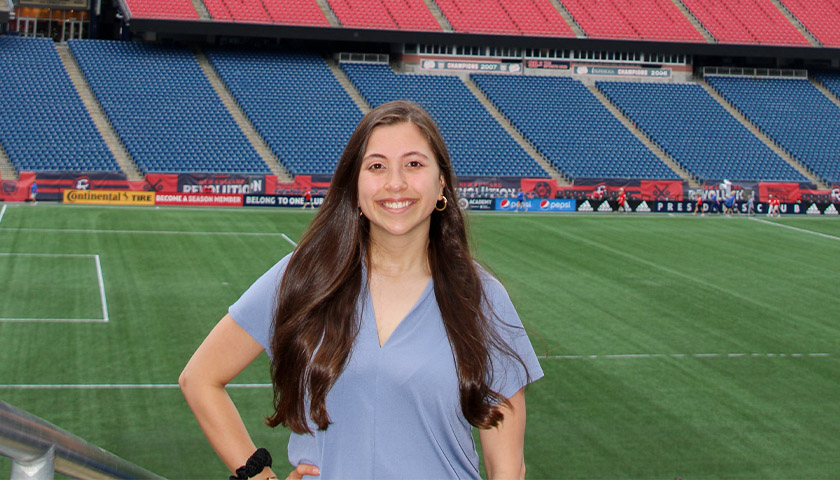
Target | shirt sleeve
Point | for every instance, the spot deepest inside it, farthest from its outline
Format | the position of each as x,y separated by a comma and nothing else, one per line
254,311
509,374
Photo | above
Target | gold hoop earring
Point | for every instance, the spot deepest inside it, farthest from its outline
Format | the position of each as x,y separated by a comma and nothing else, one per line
440,209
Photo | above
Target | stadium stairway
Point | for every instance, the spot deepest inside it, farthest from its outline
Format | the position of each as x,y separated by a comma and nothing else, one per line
7,171
796,23
439,16
254,138
348,86
201,9
762,136
825,90
515,134
567,17
693,182
328,12
694,21
100,120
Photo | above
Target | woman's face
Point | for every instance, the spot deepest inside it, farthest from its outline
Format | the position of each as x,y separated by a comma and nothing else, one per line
399,182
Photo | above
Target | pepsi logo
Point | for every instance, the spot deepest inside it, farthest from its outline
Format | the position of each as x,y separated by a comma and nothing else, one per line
543,204
505,203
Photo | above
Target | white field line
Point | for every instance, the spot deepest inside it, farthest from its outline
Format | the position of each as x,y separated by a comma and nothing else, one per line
99,276
113,386
145,232
819,234
632,356
101,289
289,240
2,212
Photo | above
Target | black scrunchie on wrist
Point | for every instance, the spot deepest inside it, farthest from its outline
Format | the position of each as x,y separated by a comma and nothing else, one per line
256,464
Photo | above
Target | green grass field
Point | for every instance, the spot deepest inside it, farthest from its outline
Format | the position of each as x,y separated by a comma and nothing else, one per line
673,346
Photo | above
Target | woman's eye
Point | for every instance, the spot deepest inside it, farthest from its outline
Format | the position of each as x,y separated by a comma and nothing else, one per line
415,163
375,166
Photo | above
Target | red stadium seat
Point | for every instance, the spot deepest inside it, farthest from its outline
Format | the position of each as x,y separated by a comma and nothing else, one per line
746,21
820,17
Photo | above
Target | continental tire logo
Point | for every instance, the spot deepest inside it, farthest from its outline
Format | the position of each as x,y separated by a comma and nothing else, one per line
109,197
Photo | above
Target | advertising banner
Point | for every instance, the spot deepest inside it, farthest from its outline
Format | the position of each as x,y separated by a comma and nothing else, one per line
741,207
198,199
221,184
279,201
547,64
429,64
488,187
477,203
108,197
540,187
536,205
52,184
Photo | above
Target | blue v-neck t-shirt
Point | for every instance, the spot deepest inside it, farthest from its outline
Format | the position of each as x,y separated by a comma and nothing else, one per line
395,409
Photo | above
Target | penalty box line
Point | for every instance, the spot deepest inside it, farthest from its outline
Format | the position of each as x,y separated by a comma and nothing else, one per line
100,281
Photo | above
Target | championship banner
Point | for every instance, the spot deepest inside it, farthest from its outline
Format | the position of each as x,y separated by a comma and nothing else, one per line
623,71
220,184
198,199
458,65
108,197
547,64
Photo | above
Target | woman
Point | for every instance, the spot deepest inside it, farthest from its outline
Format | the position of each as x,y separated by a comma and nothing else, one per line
388,343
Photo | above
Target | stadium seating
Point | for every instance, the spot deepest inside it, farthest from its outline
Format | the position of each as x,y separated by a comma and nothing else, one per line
295,103
746,21
285,12
831,81
698,132
633,19
164,109
45,125
508,17
571,127
477,143
792,112
169,9
820,17
411,15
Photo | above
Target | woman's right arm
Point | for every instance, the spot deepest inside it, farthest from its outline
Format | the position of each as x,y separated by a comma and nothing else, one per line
226,351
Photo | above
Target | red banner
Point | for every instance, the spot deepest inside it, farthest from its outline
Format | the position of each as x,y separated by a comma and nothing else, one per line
661,190
198,199
540,187
17,190
786,192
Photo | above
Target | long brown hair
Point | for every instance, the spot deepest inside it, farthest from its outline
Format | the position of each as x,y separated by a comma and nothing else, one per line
316,324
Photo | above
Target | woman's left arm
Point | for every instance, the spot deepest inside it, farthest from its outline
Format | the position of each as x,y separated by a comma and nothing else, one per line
503,446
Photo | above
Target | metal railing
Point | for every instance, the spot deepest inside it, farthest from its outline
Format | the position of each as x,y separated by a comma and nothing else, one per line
38,449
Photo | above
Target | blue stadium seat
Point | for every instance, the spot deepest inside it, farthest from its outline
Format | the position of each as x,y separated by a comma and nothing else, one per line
295,103
164,109
698,132
46,126
477,143
794,113
570,127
